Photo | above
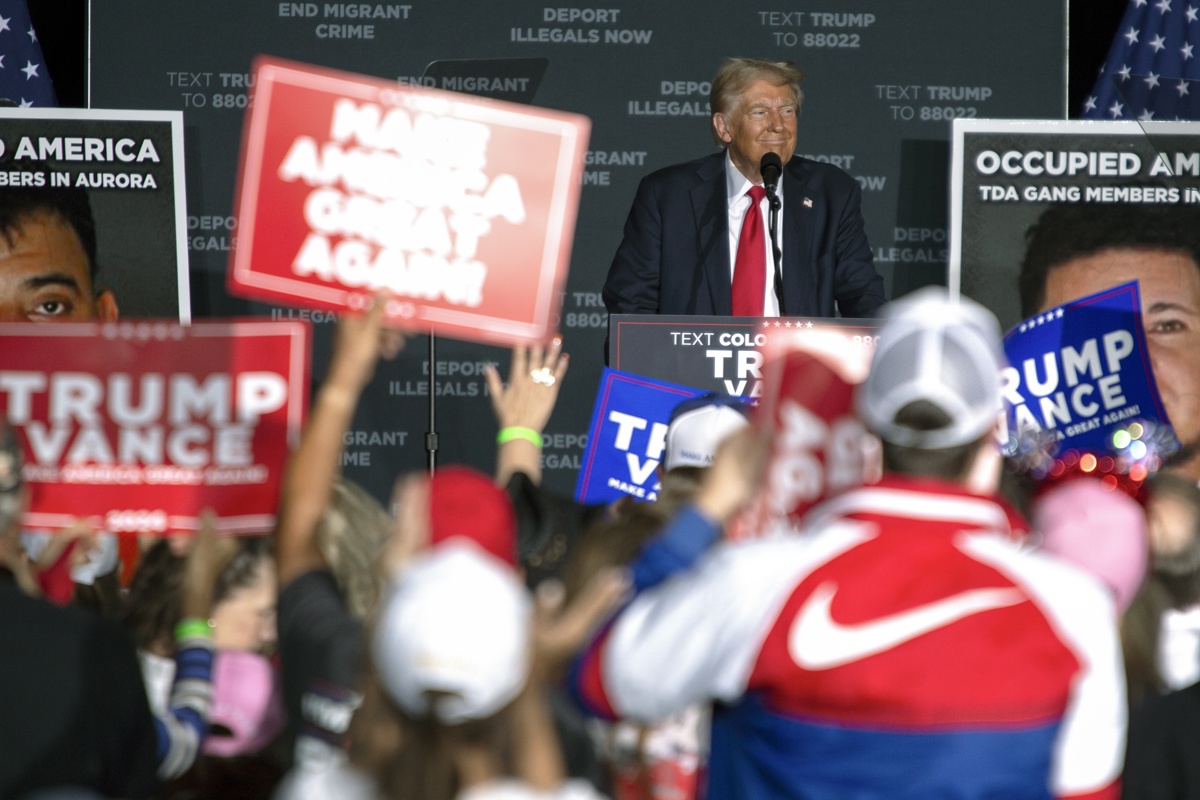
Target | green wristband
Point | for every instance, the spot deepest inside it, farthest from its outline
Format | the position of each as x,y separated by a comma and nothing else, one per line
193,628
514,432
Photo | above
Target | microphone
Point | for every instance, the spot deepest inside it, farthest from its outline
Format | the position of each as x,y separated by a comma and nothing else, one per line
770,168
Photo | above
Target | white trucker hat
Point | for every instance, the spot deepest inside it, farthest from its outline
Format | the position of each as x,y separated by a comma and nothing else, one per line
943,351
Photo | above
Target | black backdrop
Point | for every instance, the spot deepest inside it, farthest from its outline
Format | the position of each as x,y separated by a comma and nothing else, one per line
144,51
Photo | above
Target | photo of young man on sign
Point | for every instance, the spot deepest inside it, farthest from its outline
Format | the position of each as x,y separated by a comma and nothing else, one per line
91,215
1067,209
48,258
1076,251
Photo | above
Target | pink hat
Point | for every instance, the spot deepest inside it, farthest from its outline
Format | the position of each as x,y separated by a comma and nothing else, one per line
246,702
1099,529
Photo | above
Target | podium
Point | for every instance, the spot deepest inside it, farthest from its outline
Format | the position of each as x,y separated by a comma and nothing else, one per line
719,354
811,362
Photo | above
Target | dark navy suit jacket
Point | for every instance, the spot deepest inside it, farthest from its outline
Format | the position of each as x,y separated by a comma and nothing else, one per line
674,258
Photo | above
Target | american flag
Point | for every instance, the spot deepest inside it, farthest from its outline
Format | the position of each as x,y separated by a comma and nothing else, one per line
24,77
1153,67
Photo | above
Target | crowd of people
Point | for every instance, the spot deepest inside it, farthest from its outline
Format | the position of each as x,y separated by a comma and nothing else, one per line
915,637
926,634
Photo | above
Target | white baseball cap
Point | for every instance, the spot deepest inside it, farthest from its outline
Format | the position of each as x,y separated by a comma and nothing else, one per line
698,426
453,638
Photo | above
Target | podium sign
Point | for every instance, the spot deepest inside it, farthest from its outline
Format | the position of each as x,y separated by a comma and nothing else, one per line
719,354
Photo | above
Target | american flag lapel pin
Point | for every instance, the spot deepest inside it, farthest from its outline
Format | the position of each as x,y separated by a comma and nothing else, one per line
808,202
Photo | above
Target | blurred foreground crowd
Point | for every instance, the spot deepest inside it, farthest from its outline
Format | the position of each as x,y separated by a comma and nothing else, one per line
914,636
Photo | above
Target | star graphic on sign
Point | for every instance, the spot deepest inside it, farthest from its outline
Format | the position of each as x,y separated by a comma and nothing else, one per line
1182,88
1058,314
1151,80
1090,105
766,324
1163,5
1139,3
787,324
1,62
32,35
4,24
1022,329
1146,115
26,103
1041,319
1132,34
810,324
1187,51
777,323
31,70
1115,109
1191,14
1158,43
1124,72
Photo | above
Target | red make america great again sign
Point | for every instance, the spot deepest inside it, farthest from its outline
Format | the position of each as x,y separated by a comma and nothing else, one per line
462,208
137,427
818,445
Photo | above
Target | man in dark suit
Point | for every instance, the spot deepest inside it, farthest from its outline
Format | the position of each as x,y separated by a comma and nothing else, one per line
683,231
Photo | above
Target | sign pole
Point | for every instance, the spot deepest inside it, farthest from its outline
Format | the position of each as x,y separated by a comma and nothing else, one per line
431,436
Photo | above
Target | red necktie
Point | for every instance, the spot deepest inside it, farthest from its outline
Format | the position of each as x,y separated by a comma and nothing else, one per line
750,266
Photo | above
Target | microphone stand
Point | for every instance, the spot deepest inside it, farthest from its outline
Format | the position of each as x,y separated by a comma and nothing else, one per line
431,435
772,225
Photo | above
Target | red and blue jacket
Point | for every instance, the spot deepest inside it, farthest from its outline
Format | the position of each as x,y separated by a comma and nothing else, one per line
905,646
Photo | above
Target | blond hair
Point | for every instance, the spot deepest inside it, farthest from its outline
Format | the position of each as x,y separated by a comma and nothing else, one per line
737,73
350,535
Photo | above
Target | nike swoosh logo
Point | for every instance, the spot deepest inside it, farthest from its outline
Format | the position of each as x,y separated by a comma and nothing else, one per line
817,642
